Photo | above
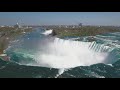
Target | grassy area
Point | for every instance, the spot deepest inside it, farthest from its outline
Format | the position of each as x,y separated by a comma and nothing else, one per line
10,33
84,31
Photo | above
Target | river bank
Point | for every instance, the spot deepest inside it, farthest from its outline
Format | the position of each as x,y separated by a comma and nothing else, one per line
84,30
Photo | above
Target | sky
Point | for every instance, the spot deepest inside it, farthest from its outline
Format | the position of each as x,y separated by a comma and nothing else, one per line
60,18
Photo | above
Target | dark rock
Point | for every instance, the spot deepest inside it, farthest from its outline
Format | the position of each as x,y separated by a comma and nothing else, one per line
54,33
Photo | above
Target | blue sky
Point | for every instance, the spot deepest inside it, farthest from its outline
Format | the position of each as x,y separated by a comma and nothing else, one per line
58,18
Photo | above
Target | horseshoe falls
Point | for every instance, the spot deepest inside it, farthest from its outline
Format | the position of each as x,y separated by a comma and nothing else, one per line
40,55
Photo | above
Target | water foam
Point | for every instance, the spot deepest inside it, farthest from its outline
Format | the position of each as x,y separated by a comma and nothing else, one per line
47,32
61,54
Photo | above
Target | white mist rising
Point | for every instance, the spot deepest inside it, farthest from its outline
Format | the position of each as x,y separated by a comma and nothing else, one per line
47,32
52,52
61,53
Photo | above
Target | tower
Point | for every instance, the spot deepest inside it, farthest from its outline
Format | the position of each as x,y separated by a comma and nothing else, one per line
80,24
17,25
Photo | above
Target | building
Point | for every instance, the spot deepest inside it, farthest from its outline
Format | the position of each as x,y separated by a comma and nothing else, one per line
80,24
17,26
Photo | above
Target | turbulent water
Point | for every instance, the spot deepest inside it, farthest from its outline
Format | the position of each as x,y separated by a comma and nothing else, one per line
40,55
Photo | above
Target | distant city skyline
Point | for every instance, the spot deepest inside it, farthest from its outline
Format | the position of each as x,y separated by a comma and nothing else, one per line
60,18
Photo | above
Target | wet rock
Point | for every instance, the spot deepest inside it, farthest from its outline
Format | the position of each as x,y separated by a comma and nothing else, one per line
54,33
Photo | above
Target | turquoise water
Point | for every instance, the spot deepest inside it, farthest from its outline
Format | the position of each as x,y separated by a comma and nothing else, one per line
36,55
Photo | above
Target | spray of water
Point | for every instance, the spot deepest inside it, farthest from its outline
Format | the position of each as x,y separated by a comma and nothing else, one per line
58,53
61,53
47,32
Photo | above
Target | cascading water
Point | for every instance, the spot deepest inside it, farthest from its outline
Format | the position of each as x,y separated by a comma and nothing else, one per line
68,54
41,49
47,32
39,54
